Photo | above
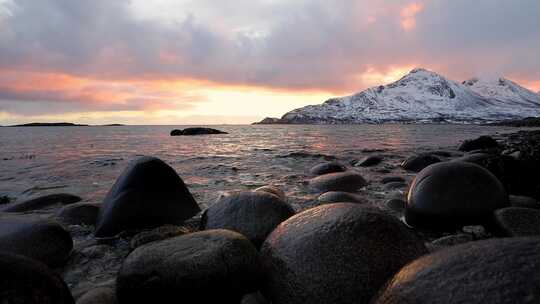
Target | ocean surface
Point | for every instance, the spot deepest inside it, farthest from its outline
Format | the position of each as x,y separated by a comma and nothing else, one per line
86,160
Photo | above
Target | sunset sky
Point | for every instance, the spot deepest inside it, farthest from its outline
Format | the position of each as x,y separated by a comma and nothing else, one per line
237,61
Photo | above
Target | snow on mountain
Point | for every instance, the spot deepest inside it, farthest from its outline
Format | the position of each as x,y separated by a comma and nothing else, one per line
425,96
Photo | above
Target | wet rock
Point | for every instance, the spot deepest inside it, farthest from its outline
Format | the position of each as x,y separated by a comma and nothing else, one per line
340,197
480,143
214,266
148,194
395,204
523,201
452,194
196,131
157,234
516,221
390,179
42,240
275,190
254,214
42,202
369,161
28,281
477,231
417,163
441,153
328,167
452,240
4,199
394,186
336,253
349,181
491,271
254,298
102,295
79,214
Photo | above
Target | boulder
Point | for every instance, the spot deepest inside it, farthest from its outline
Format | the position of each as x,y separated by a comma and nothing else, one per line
452,194
492,271
42,202
396,204
196,131
523,201
79,214
349,181
369,161
480,143
394,186
340,197
42,240
328,167
148,194
417,163
336,253
157,234
273,190
28,281
253,213
100,295
214,266
516,221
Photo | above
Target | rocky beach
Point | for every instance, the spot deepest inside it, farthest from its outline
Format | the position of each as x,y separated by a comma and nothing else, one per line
374,226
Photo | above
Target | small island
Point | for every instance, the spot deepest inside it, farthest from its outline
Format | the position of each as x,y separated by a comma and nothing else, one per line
50,124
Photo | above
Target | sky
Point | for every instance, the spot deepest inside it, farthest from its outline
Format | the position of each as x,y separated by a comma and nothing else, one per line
238,61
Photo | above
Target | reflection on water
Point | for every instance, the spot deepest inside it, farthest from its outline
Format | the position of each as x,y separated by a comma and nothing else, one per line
87,160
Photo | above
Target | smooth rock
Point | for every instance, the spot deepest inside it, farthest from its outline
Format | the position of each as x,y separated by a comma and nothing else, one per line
517,221
157,234
328,167
453,194
340,197
148,194
369,161
275,190
417,163
79,214
253,213
349,181
336,253
42,240
523,201
492,271
480,143
396,205
452,240
27,281
390,179
42,202
394,186
196,131
254,298
214,266
101,295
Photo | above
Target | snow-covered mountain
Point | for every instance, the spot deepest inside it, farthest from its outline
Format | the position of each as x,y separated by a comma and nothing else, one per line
425,96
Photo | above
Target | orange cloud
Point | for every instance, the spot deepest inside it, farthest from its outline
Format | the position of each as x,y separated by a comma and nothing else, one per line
408,15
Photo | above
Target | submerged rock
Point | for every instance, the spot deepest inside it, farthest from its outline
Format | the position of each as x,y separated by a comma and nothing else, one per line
24,280
148,194
480,143
328,167
214,266
42,202
42,240
515,221
348,181
253,213
336,253
493,271
453,194
196,131
417,163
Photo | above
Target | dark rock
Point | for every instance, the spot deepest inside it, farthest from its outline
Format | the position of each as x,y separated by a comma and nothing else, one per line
493,271
254,298
42,240
214,266
525,122
477,231
390,179
28,281
4,199
336,253
42,202
516,221
340,197
349,181
101,295
523,201
452,240
452,194
441,153
157,234
417,163
254,214
148,194
395,204
394,185
79,214
482,142
273,190
369,161
196,131
328,167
